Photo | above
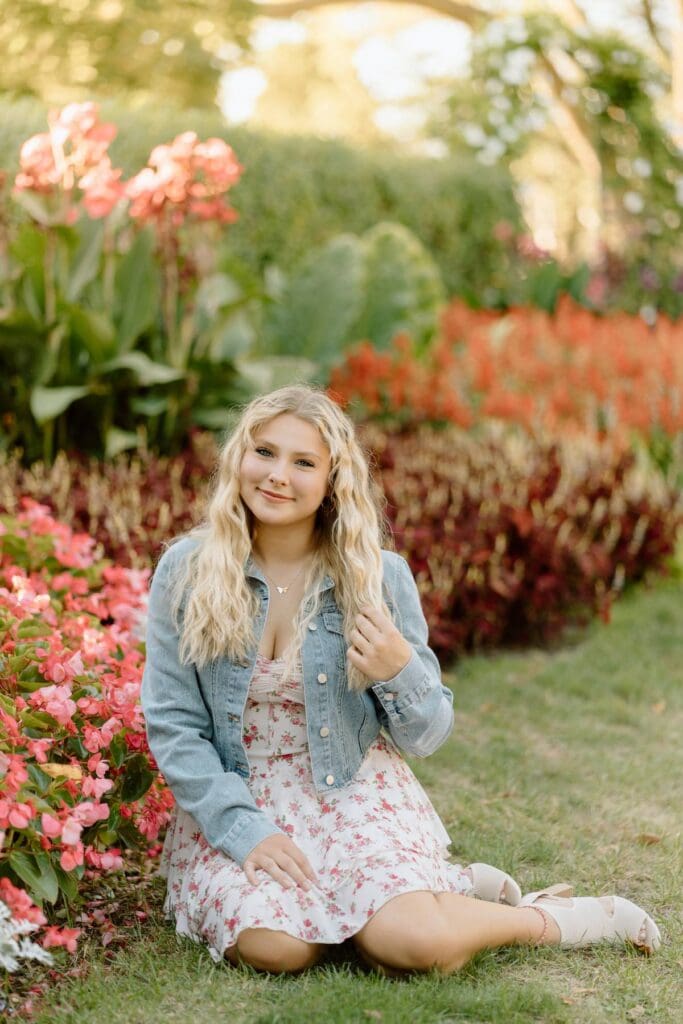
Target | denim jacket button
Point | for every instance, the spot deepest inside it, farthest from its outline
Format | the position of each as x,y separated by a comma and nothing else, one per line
322,678
390,696
324,731
329,780
312,626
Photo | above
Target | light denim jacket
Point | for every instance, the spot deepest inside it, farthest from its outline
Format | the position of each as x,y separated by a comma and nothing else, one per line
194,716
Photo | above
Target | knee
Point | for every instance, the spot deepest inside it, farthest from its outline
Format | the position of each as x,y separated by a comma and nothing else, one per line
275,952
420,949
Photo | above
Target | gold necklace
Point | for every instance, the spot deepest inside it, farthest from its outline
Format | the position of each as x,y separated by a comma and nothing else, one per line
283,590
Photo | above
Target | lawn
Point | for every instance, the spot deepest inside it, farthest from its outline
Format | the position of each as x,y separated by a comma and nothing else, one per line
564,765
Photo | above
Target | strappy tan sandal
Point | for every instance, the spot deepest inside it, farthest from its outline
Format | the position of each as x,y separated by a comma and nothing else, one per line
586,920
496,886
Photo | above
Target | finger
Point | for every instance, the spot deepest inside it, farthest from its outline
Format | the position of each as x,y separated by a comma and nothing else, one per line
360,642
276,872
375,615
305,865
367,627
290,866
250,872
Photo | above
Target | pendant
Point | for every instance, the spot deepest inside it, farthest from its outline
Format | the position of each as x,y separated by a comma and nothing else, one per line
281,590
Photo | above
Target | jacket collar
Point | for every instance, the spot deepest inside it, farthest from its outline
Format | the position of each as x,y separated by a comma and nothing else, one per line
252,570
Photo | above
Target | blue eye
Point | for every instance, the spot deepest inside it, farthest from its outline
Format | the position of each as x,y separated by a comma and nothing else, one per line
305,462
263,451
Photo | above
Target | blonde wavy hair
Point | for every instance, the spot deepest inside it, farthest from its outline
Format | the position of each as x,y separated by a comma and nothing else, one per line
212,603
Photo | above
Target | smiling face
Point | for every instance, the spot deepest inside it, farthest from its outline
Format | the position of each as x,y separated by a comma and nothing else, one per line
284,472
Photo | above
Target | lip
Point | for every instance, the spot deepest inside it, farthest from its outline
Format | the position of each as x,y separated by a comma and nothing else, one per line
273,497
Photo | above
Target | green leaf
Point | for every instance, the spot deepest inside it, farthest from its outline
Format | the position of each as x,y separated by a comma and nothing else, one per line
86,262
403,288
149,405
276,372
95,330
41,780
137,291
68,883
36,870
117,751
320,303
146,371
29,628
48,403
119,441
137,780
214,419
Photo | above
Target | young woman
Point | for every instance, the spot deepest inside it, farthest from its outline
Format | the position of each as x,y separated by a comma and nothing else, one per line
287,667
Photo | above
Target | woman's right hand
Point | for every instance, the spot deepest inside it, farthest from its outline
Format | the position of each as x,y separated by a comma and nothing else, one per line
282,859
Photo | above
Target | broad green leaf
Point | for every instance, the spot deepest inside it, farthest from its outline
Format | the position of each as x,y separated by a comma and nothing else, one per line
119,441
31,628
146,371
86,261
95,330
276,372
214,419
47,403
137,779
320,303
403,288
137,291
37,872
68,883
149,405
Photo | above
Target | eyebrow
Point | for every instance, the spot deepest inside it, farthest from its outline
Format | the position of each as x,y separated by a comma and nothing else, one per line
271,444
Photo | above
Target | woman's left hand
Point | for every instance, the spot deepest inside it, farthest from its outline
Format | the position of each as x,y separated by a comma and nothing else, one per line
378,648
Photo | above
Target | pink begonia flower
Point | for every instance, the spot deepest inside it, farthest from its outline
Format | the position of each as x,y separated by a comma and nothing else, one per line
20,815
20,903
62,665
25,596
39,749
96,787
71,830
70,859
52,827
56,700
105,860
66,937
89,813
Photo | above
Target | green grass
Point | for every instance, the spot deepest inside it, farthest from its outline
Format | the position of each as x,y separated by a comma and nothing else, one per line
559,765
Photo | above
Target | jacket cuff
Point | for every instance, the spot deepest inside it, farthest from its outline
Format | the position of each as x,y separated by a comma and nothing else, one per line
406,687
247,832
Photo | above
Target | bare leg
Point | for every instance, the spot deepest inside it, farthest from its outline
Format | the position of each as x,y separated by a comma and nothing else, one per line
422,930
273,951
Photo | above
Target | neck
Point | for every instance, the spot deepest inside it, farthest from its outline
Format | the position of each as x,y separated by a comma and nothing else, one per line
283,548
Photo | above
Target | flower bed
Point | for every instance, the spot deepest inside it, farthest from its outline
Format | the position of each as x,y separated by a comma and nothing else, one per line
570,371
510,539
78,784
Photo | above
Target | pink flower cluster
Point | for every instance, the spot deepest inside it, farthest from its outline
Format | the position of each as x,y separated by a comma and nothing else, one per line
186,179
72,155
72,667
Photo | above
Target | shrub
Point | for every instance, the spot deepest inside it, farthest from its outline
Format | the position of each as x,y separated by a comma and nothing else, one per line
508,536
571,370
510,539
79,786
129,505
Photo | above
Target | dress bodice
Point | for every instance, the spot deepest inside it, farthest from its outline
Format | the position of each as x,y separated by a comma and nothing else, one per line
275,714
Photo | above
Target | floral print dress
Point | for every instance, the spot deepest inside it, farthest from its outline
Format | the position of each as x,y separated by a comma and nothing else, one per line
374,839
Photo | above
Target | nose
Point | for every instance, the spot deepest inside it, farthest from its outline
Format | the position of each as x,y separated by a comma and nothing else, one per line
278,473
